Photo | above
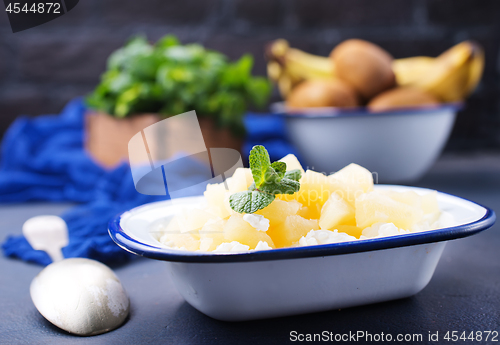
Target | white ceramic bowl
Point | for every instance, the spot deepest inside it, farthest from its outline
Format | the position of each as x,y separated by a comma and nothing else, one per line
399,145
288,281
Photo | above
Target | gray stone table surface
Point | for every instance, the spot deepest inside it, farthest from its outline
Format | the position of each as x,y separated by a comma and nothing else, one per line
463,295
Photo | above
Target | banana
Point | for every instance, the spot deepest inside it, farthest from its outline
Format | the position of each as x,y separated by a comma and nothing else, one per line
409,70
301,65
289,66
451,76
476,68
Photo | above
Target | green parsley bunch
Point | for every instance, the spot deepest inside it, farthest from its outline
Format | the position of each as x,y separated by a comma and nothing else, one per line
170,78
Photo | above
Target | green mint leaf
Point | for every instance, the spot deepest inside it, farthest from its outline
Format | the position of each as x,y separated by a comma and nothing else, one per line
269,180
294,174
250,201
279,168
260,164
284,186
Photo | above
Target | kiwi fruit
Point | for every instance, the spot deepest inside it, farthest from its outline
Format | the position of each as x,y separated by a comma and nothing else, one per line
365,66
322,93
401,97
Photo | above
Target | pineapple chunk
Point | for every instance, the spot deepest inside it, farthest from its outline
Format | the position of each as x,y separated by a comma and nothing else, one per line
376,207
174,237
291,230
315,188
351,181
240,181
304,212
212,234
236,229
312,212
427,202
173,226
215,195
410,198
351,230
192,219
430,203
188,241
336,211
278,210
228,206
291,162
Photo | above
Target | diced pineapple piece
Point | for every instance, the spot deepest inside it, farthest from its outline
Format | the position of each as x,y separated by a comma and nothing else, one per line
351,230
291,230
278,210
236,229
315,188
376,207
291,162
240,181
312,212
336,211
427,202
215,195
173,226
304,212
351,181
188,241
409,197
228,206
192,219
212,234
430,203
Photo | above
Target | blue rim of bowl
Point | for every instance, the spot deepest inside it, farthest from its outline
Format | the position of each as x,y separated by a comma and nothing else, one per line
359,111
162,253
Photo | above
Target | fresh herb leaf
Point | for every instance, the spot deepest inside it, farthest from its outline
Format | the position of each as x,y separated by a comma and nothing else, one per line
284,186
260,164
250,201
269,178
280,168
294,174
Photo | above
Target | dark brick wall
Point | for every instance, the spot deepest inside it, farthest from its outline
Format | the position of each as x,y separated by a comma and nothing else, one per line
42,68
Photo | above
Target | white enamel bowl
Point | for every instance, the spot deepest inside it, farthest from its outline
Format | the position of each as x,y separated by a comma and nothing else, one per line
399,145
288,281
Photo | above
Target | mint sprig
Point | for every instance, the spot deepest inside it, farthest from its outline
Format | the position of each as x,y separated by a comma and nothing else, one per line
269,178
280,168
250,201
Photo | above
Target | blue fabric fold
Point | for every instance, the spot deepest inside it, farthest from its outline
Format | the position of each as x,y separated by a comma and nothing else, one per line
43,159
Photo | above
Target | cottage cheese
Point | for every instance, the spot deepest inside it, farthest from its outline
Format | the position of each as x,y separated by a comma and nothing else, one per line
436,221
262,246
315,237
382,230
236,247
231,247
257,221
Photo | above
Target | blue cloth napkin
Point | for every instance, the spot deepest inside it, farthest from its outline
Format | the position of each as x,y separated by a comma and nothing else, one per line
43,159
